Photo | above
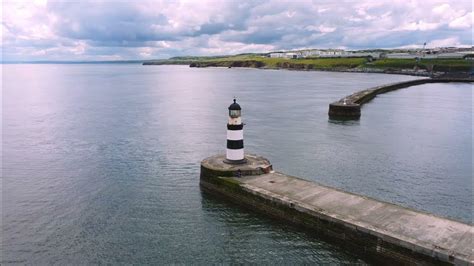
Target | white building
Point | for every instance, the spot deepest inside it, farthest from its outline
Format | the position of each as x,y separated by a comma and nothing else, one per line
454,55
402,55
277,55
332,53
362,54
292,55
431,55
288,55
310,53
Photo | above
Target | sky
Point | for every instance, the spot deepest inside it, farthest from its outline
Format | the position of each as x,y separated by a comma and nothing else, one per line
139,30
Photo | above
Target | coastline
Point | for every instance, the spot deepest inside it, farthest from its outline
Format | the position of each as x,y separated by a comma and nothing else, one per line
346,70
295,66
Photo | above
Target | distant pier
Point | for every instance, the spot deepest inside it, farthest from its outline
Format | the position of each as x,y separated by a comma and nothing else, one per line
380,230
349,107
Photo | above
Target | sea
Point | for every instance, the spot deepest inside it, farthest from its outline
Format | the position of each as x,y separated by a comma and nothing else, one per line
100,162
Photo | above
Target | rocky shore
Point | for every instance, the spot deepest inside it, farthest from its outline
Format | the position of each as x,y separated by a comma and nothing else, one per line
353,67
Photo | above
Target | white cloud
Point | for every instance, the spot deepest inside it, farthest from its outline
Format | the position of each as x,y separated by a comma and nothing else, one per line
322,10
326,29
453,41
464,22
419,25
320,28
77,30
441,8
145,52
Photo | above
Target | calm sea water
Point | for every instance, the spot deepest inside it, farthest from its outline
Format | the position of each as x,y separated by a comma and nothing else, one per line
101,162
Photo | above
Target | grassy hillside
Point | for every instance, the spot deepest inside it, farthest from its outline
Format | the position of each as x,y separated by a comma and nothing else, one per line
445,65
259,61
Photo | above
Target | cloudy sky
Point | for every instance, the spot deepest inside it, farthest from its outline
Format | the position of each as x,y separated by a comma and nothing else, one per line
120,29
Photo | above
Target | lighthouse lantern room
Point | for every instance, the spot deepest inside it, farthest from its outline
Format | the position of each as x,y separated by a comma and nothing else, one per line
235,136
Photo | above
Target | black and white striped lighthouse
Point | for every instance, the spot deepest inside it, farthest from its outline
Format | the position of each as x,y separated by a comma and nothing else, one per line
235,136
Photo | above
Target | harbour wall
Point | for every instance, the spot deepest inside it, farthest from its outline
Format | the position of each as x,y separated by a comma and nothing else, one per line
349,107
380,231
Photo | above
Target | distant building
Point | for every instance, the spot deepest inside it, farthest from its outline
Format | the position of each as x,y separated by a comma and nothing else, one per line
469,56
364,54
288,55
432,53
453,55
403,56
292,55
332,53
277,55
310,53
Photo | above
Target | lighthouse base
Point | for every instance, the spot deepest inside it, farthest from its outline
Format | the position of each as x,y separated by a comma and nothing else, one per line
218,165
243,161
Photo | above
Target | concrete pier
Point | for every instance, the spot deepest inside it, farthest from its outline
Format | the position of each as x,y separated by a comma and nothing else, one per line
349,107
384,231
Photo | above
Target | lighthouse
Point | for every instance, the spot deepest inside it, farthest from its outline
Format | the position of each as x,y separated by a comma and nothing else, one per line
235,136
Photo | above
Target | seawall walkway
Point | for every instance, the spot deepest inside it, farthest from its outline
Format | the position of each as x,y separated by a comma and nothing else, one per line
349,107
383,231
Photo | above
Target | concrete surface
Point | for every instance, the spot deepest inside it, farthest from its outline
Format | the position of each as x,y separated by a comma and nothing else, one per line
440,238
216,166
349,106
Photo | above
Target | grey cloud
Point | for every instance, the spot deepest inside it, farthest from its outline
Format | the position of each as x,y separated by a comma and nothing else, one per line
213,28
109,22
125,28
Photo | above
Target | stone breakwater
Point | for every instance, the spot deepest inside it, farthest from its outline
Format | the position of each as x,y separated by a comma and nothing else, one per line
349,107
380,231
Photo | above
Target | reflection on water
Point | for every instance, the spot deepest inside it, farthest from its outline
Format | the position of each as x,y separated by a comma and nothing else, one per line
347,122
101,162
260,238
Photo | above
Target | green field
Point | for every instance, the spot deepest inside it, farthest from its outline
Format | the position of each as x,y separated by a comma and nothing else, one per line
445,65
260,61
